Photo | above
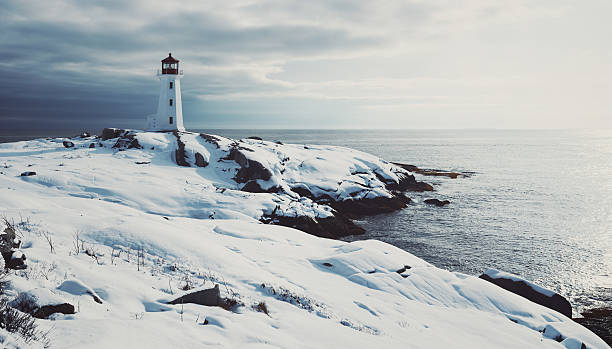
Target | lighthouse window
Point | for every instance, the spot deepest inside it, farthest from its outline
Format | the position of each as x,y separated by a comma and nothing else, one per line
171,85
170,101
171,120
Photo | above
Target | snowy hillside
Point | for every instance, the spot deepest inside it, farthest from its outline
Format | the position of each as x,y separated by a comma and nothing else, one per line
120,227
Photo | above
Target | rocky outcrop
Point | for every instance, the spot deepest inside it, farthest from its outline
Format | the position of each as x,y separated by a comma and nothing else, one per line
68,144
249,169
366,207
436,202
180,156
333,227
28,173
127,141
432,172
527,290
110,133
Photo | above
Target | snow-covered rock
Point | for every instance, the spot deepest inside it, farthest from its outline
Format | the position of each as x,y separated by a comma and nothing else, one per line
529,290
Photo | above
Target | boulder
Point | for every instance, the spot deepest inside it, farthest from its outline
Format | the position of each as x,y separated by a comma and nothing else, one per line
92,145
109,133
14,259
436,202
41,303
68,144
200,161
528,290
210,297
28,173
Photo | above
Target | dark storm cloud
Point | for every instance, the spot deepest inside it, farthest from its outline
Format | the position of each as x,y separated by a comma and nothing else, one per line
78,61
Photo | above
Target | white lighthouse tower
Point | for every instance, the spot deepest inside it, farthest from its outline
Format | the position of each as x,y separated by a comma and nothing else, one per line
169,115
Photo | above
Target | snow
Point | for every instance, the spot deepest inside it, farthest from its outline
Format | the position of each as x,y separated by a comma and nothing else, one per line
194,227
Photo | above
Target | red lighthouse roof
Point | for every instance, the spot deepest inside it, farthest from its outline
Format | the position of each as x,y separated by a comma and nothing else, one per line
170,59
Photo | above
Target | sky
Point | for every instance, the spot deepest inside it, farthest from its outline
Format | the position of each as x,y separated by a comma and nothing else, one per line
89,64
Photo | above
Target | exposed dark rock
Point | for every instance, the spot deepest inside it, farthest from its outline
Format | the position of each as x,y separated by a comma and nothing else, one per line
180,156
599,321
432,172
436,202
127,141
47,310
255,138
28,173
14,259
366,207
7,240
333,227
200,161
253,187
109,133
409,183
403,269
249,169
143,162
210,297
211,139
92,145
329,265
520,287
29,302
68,144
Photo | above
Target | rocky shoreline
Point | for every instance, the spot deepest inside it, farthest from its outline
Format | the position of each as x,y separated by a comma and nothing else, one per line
252,176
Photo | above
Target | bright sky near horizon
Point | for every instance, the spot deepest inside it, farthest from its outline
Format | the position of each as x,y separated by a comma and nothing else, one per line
309,64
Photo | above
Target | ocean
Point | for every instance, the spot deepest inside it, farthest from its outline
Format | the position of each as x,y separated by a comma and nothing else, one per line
538,205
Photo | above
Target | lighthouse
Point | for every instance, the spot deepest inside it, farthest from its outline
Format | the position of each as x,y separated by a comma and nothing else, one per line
169,115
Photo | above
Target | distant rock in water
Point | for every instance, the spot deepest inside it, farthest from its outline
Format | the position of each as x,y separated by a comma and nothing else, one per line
255,138
436,202
526,289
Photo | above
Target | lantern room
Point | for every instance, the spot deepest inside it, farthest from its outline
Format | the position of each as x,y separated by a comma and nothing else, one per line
170,65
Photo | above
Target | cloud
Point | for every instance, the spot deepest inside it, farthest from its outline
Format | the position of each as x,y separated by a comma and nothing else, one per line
92,63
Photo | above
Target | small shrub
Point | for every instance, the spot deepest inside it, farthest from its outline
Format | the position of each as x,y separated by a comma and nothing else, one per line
262,308
25,302
20,323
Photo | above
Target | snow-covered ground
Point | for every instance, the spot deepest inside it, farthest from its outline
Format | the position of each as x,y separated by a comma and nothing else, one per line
195,227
